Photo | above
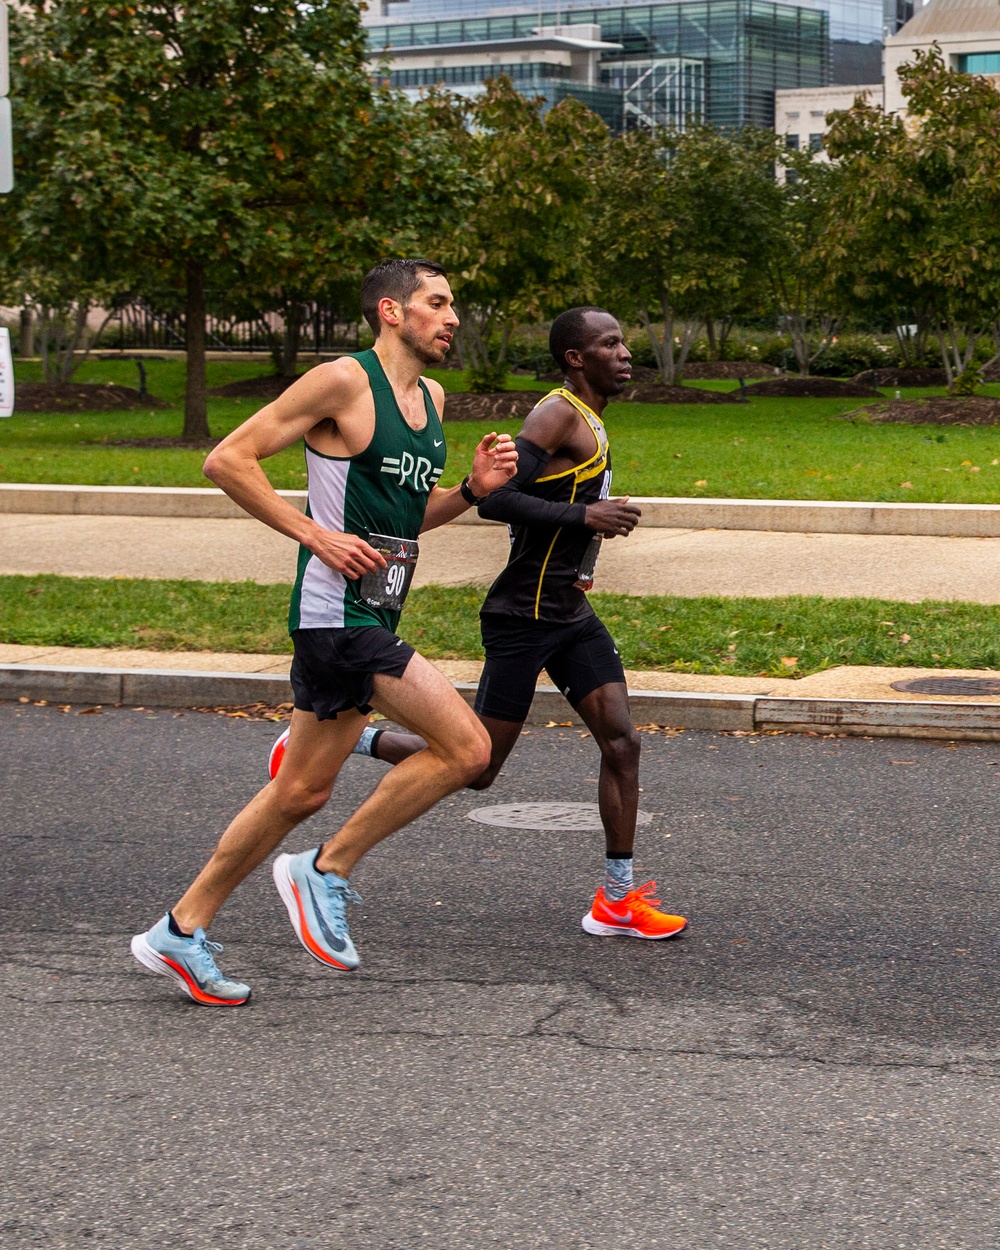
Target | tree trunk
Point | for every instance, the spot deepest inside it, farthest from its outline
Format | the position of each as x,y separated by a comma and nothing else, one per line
195,402
290,339
69,363
713,347
26,338
43,344
655,343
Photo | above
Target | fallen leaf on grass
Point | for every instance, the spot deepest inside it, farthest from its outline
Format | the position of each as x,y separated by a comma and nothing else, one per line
702,482
904,637
906,486
789,661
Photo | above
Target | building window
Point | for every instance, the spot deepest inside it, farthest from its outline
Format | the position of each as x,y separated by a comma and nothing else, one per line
979,63
815,143
792,142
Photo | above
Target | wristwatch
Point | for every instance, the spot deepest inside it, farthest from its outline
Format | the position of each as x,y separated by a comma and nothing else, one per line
465,490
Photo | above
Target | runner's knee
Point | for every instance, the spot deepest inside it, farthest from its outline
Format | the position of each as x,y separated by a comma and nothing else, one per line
620,749
298,799
470,758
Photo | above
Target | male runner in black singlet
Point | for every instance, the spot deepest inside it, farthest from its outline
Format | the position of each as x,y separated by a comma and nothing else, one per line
536,614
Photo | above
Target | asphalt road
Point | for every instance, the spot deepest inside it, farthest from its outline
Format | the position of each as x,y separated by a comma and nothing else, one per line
812,1066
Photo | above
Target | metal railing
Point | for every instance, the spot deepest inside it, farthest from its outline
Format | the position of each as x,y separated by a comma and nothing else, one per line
146,324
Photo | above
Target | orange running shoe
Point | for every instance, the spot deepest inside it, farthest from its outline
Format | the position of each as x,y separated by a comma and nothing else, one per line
635,915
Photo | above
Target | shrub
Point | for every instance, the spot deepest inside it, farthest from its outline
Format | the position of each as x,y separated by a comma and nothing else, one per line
849,354
487,379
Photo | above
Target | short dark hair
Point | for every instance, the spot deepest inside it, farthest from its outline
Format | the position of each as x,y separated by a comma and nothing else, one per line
394,279
569,332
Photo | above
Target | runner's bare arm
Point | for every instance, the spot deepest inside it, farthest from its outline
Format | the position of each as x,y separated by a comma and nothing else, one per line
333,390
546,431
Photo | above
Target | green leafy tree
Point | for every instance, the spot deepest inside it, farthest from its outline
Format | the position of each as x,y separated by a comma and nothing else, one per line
680,231
413,180
798,274
206,141
919,209
514,248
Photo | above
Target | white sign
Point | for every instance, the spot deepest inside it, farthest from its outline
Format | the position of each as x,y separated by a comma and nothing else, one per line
6,375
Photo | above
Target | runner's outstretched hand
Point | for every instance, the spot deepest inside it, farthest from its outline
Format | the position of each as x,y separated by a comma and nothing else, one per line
493,463
612,517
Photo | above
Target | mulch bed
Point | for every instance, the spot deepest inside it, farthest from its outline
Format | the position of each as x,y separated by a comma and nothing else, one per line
80,397
814,388
726,370
901,377
268,386
939,410
493,406
657,393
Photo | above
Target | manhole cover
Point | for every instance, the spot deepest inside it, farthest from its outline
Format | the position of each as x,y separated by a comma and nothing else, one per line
583,816
970,687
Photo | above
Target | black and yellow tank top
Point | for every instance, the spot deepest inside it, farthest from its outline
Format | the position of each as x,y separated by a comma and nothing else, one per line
545,560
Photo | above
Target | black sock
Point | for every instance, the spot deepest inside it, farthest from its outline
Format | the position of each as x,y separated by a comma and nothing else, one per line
373,745
316,867
175,928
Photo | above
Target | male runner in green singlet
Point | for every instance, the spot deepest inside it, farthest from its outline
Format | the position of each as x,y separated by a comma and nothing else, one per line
536,614
374,451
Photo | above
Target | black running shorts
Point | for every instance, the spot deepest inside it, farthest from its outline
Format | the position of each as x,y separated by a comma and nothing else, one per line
579,657
333,669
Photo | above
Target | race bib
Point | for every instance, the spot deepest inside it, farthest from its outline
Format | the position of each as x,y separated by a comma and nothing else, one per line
388,587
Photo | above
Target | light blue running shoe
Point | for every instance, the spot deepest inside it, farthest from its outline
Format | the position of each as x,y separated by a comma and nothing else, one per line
190,962
317,907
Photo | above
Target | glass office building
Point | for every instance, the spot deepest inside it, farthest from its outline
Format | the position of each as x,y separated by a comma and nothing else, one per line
860,21
678,61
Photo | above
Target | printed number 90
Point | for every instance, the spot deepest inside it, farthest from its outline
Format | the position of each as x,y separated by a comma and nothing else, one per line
395,578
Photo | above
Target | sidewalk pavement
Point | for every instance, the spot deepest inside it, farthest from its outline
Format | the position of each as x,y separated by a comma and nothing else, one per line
651,561
854,700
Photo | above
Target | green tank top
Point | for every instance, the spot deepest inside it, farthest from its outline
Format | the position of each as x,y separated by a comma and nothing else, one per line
381,490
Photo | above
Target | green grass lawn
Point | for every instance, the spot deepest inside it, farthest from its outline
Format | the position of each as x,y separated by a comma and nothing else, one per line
792,636
767,449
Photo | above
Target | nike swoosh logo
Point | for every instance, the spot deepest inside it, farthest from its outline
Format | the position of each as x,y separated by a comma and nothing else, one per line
624,919
438,444
335,943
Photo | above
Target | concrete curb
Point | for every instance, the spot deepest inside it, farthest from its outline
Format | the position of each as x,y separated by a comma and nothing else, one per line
791,516
678,709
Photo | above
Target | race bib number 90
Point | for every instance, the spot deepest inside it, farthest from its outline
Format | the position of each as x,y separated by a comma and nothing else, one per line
388,587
